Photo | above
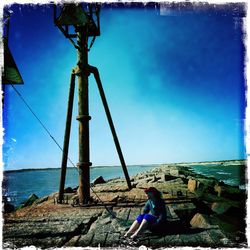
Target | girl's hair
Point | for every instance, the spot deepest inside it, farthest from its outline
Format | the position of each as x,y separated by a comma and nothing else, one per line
157,194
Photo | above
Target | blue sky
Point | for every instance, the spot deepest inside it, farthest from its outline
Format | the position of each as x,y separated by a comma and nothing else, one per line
174,83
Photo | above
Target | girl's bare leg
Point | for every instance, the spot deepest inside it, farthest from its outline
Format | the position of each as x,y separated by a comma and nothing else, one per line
133,228
141,228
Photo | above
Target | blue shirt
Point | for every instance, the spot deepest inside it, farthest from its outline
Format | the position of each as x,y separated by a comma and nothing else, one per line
156,208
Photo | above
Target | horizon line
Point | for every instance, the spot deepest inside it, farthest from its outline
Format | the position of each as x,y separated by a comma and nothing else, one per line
130,165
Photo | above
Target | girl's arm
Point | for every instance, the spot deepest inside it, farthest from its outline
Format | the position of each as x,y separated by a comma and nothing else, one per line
146,209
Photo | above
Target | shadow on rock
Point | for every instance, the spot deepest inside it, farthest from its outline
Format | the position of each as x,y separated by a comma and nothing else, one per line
174,227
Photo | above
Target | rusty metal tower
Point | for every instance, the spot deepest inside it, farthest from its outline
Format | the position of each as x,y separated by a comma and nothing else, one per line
79,22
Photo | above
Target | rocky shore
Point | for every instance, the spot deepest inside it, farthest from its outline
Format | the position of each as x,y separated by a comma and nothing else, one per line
202,212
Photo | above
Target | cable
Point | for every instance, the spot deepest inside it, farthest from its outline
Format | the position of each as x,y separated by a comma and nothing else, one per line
28,106
44,127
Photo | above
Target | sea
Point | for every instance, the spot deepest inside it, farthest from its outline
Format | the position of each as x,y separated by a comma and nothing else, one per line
19,185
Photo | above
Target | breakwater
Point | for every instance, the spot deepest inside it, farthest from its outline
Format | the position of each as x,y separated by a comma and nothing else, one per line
203,212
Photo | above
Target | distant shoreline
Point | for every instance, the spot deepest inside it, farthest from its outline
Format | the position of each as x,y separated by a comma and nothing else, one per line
224,162
50,169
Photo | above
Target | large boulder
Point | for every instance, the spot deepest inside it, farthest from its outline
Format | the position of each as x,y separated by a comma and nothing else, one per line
206,182
111,188
218,189
167,177
98,180
220,207
174,172
227,191
154,179
201,221
69,190
199,186
192,185
167,186
32,198
41,200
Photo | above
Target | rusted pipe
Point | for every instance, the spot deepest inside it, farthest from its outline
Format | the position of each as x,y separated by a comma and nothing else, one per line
96,74
66,137
83,117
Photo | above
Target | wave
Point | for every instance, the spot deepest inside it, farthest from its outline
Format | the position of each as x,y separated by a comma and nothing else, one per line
224,173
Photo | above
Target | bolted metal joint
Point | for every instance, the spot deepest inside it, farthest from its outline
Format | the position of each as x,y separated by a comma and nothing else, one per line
82,118
86,71
81,165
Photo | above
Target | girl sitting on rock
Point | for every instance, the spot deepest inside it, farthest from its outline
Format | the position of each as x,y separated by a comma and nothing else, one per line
156,206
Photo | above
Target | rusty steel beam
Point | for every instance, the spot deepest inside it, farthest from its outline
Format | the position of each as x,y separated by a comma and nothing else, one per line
66,137
95,71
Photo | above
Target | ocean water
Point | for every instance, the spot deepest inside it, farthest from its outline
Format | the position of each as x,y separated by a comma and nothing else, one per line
231,175
17,186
